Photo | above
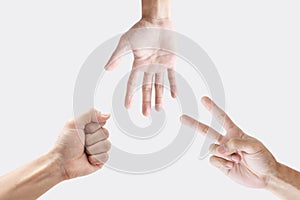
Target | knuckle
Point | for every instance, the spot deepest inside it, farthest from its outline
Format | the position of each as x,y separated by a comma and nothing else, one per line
105,132
220,139
131,83
147,88
228,121
123,37
70,123
221,118
159,86
106,145
104,158
212,148
173,87
255,144
233,143
88,140
212,160
205,129
91,127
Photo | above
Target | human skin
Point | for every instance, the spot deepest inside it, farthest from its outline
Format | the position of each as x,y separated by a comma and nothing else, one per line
80,149
245,159
155,14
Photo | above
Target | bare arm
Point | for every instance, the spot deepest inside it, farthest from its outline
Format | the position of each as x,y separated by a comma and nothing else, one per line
285,182
81,149
156,9
32,180
245,159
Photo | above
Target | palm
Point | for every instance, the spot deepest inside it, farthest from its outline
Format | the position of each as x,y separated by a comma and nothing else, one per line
250,171
242,172
140,33
147,39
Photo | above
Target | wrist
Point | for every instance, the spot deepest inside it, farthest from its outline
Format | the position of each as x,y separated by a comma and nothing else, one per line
56,166
156,9
274,177
284,182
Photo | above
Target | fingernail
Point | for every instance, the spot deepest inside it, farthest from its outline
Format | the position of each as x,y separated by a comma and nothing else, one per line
158,107
221,149
106,67
173,94
105,114
146,112
236,158
229,165
206,102
127,105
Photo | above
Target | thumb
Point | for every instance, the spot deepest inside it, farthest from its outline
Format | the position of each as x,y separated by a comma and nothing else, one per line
92,116
116,56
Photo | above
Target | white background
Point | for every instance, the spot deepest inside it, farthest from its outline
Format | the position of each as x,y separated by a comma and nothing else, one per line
254,44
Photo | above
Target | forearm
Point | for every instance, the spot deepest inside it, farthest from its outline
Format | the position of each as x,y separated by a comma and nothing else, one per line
156,9
32,180
285,183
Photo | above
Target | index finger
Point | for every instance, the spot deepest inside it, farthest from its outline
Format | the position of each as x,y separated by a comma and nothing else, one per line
200,127
218,113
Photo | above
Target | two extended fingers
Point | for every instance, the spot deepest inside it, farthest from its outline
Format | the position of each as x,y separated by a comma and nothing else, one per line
218,113
201,128
219,159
